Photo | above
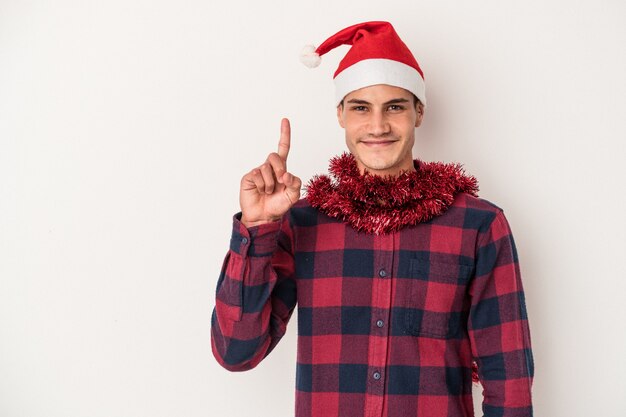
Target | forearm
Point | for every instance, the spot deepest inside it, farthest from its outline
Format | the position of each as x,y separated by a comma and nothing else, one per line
254,299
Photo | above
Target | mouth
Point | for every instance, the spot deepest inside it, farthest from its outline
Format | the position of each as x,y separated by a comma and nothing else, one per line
377,143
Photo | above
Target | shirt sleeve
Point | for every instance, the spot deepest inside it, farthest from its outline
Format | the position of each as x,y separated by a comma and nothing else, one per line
255,295
498,324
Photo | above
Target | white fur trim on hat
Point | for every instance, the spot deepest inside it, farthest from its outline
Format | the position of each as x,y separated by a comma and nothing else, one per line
379,71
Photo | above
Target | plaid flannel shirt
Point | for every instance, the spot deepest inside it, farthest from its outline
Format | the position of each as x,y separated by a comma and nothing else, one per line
388,325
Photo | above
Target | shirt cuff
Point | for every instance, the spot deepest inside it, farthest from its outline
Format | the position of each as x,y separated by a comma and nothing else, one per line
260,240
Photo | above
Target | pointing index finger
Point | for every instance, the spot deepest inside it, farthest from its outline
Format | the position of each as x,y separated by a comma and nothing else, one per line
285,139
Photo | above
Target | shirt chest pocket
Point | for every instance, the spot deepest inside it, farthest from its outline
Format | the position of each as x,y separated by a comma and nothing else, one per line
434,298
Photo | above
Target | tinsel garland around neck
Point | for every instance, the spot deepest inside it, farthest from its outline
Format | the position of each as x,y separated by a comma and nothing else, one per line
379,205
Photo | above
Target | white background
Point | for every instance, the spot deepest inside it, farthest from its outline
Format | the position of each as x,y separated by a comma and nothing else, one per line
125,128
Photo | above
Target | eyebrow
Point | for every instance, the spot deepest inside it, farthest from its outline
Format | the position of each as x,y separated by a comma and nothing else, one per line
393,101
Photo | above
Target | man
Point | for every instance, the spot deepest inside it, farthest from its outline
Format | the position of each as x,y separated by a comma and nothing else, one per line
405,280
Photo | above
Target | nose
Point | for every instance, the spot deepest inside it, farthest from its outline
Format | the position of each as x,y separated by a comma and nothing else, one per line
379,125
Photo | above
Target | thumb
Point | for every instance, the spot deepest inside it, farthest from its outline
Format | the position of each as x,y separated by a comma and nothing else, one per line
293,185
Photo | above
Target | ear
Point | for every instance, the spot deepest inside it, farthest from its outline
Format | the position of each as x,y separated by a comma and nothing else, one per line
340,115
419,109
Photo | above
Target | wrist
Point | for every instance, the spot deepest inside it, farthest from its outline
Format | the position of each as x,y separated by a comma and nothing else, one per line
251,223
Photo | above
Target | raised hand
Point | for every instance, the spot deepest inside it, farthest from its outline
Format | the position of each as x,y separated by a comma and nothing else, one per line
269,190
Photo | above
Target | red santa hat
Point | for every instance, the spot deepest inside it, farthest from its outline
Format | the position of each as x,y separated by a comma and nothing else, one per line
377,56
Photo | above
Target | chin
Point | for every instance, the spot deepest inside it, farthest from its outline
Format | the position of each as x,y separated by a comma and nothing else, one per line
377,164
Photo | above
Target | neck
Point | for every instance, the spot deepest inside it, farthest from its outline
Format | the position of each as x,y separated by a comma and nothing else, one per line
393,172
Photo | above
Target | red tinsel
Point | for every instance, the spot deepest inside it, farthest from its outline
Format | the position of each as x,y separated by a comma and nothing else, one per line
376,204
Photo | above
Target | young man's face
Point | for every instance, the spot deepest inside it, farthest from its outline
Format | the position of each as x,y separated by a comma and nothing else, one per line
380,123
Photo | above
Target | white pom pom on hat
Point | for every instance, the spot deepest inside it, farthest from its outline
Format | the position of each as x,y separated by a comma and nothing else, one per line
377,56
309,57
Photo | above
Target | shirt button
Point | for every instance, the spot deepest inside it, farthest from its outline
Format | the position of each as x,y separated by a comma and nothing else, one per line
382,273
244,240
380,323
376,375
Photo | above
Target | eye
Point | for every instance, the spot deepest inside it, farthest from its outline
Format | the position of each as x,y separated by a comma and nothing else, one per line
358,108
395,108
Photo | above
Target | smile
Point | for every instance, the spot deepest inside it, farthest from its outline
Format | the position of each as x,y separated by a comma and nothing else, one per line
379,143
